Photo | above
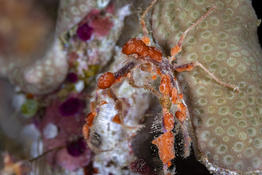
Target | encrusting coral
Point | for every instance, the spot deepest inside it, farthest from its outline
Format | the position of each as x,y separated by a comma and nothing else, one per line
61,128
226,124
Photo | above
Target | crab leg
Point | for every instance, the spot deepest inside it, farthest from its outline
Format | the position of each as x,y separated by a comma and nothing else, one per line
146,38
192,65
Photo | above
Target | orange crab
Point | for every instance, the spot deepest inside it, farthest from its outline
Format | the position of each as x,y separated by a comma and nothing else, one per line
151,59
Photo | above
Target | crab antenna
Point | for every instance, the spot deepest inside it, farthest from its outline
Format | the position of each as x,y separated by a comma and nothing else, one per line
142,20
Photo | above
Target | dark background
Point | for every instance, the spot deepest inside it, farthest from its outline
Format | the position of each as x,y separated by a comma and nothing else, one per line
258,9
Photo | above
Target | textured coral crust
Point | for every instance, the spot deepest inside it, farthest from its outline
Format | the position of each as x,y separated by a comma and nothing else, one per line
71,12
227,124
69,128
137,46
106,80
165,144
44,75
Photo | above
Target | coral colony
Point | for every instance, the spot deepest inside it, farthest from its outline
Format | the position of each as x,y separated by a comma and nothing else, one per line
190,79
227,125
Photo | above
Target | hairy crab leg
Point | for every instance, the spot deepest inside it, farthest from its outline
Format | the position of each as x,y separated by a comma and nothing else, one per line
178,47
192,65
123,72
146,38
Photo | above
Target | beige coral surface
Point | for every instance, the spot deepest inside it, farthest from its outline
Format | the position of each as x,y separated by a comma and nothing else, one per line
226,124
